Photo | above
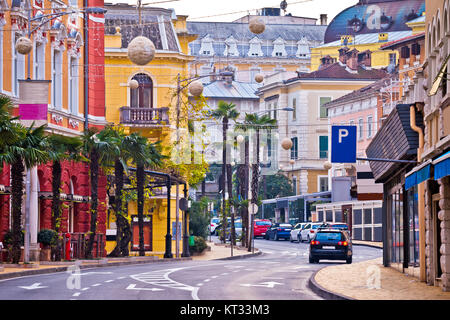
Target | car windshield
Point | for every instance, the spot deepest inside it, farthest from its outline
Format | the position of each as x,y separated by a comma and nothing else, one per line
285,226
316,226
343,226
329,236
215,221
263,223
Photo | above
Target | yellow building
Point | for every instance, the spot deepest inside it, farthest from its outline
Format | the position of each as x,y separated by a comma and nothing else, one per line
367,26
149,109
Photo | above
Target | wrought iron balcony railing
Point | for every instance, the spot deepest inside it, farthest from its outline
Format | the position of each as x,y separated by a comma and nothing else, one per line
144,116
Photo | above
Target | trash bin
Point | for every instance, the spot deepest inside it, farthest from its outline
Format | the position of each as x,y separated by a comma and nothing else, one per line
191,241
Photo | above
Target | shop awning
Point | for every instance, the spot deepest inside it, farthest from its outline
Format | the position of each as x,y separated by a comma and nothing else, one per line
418,175
442,166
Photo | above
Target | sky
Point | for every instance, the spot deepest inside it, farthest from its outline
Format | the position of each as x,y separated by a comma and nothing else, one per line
206,10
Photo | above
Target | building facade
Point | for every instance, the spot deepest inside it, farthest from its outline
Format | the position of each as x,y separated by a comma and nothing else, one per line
73,100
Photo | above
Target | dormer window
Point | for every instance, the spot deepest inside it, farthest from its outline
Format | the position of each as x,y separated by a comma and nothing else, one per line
303,50
206,48
279,49
231,49
255,48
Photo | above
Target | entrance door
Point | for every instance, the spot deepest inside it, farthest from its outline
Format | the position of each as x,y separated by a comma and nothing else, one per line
147,234
437,238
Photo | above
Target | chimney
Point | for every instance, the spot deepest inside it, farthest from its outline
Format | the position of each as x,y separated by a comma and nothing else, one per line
352,59
365,59
323,19
326,61
343,55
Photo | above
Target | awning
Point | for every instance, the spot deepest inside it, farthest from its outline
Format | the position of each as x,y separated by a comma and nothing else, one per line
418,175
442,166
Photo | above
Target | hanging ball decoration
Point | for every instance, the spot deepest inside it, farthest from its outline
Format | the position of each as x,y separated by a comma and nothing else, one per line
141,50
292,162
286,143
196,88
259,78
257,25
327,165
240,139
133,84
24,45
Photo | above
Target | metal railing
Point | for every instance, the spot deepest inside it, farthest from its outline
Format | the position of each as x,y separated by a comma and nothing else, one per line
78,244
144,116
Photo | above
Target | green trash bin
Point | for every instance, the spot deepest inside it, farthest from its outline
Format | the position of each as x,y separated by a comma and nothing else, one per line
191,241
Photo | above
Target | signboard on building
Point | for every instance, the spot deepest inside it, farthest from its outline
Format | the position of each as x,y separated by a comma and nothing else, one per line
343,144
33,102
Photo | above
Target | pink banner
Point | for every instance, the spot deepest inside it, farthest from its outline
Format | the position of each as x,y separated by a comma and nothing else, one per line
33,111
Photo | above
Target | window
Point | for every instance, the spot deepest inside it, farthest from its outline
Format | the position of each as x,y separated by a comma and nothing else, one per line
360,128
323,184
294,106
73,86
323,147
324,111
57,79
369,126
393,59
294,185
18,66
39,61
279,49
207,46
142,97
255,48
294,149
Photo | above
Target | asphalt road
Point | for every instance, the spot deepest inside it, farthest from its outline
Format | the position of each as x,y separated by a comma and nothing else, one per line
280,273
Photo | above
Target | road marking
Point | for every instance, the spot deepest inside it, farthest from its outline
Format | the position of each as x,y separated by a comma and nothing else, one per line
270,284
109,281
207,280
133,287
76,294
84,289
213,277
90,273
96,285
120,278
34,286
224,274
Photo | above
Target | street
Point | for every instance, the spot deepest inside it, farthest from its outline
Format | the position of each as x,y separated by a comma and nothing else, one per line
280,273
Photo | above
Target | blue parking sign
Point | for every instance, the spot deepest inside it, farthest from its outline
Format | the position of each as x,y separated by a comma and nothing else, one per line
343,144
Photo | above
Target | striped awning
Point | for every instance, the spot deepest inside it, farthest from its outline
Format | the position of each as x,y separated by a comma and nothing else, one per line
442,166
418,175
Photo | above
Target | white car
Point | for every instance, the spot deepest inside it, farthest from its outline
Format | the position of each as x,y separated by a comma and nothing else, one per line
309,231
213,225
295,233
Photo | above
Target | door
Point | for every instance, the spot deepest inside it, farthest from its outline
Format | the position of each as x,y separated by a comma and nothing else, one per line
437,238
142,97
148,243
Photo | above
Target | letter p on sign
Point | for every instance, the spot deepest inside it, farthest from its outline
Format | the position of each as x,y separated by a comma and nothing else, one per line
343,144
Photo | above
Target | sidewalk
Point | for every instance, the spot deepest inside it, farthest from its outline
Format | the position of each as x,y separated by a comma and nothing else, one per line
218,251
349,281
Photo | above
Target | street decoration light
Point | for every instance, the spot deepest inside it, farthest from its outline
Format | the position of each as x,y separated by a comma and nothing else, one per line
257,25
133,84
259,78
327,165
141,50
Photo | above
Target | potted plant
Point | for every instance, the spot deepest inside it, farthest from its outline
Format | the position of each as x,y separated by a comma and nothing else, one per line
47,238
198,247
7,244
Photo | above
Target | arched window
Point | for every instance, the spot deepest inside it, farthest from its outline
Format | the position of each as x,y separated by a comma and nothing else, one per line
142,97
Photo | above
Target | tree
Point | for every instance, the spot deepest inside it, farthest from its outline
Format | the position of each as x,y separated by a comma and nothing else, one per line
277,185
27,149
226,112
143,154
61,148
257,123
101,150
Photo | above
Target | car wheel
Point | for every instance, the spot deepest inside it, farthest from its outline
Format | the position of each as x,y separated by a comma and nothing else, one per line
308,239
311,260
349,260
290,239
275,237
299,238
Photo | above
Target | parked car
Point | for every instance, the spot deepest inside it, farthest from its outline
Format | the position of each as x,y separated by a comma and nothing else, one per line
308,232
237,229
219,226
295,232
213,225
279,231
330,244
260,227
336,225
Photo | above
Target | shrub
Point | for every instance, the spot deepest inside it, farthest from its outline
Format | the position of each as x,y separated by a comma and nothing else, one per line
8,239
47,237
199,245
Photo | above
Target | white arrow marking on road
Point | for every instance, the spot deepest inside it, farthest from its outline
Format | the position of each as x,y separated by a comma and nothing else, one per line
270,284
133,287
33,286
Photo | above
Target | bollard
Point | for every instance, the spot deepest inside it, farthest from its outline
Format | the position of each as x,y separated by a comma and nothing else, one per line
68,246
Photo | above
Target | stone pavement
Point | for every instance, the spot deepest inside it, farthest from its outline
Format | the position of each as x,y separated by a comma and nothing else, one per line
350,281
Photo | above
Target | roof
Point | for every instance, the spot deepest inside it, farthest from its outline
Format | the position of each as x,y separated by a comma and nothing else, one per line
337,71
393,16
369,38
235,90
394,44
358,94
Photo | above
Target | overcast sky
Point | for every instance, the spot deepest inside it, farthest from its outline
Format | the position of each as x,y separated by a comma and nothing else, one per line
196,9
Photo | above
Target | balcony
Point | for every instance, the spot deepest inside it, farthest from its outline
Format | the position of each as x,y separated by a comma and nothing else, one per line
144,117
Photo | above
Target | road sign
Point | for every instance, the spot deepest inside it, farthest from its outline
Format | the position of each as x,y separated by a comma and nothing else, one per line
343,144
253,208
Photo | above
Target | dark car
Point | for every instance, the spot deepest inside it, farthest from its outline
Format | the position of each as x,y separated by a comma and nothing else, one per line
330,244
279,231
335,225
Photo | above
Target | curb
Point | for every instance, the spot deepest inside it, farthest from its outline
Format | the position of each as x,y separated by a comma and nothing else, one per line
322,292
242,256
367,245
63,269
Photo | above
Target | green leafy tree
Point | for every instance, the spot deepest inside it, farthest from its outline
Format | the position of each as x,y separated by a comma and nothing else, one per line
277,185
199,218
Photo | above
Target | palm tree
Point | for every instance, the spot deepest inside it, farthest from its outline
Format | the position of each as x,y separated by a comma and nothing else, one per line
101,148
27,149
143,154
253,121
61,148
226,112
